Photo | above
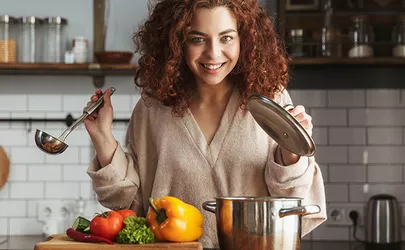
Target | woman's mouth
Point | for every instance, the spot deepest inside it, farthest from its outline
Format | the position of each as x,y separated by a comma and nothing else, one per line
212,68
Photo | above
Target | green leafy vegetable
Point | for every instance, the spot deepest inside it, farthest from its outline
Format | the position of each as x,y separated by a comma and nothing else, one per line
135,231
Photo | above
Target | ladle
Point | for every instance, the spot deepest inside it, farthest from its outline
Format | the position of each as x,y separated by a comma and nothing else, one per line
52,145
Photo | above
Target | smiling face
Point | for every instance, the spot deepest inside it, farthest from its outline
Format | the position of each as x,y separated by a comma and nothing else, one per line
213,45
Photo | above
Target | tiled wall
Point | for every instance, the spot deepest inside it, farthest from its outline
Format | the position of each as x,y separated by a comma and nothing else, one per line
359,136
360,146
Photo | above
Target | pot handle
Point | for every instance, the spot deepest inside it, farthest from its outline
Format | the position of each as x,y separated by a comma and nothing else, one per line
210,206
303,210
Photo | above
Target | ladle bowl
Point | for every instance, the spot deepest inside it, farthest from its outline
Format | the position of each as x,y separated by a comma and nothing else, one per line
52,145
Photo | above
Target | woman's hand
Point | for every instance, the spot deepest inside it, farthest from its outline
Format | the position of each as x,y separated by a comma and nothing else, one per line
99,126
305,120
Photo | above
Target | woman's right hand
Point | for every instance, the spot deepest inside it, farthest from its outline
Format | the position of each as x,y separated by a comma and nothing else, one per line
99,126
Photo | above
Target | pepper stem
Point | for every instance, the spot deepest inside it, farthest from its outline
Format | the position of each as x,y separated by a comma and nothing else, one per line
160,214
152,205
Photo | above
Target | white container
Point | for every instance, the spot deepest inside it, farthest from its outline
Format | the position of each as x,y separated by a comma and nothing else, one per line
80,49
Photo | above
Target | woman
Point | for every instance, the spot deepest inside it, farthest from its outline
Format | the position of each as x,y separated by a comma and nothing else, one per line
191,136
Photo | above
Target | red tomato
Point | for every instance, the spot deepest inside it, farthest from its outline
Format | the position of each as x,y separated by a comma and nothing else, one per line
126,213
107,225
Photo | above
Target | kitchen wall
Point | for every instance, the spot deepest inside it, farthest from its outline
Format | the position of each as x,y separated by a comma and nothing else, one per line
359,133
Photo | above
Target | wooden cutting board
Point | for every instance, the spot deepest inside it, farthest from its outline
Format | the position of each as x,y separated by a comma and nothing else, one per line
63,242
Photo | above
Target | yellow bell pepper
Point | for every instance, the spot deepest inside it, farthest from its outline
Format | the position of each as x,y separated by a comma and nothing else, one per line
174,220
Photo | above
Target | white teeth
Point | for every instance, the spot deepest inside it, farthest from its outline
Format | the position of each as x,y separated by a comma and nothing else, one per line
212,67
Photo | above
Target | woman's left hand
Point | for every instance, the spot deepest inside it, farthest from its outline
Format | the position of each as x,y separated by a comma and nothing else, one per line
305,120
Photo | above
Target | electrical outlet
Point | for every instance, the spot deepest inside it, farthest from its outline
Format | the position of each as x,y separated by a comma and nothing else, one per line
339,214
54,210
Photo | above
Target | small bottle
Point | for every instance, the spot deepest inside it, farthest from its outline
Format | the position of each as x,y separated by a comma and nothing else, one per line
80,49
361,36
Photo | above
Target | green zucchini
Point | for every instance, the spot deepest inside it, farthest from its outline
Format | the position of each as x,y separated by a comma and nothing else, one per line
81,224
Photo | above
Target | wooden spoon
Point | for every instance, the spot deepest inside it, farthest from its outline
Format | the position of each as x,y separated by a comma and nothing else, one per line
4,167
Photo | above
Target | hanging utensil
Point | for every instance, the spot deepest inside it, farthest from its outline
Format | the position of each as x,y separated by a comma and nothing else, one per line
4,167
52,145
280,125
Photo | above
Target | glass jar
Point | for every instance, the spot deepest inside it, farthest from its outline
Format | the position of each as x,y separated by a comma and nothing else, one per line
30,39
361,36
398,37
55,39
8,41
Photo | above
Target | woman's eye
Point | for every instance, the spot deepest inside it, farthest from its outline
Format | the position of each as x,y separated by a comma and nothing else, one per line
197,40
226,38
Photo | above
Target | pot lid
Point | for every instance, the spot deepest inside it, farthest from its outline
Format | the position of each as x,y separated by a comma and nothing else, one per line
280,125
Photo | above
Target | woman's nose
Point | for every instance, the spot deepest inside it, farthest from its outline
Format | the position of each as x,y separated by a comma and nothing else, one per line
214,50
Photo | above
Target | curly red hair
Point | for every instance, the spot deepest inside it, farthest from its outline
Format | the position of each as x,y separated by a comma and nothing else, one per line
163,74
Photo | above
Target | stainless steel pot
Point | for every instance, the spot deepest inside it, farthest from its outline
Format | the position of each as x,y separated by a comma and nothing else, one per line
259,223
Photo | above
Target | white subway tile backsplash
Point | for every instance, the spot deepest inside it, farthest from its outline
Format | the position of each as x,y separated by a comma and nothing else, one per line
387,136
11,208
3,226
74,103
358,192
320,135
18,172
69,156
347,173
308,98
45,102
75,173
26,155
377,155
44,172
337,193
377,117
19,103
13,137
27,115
379,173
25,226
26,190
79,137
134,100
325,232
346,98
121,102
325,172
331,154
66,190
86,155
329,117
32,208
5,191
347,136
383,97
87,191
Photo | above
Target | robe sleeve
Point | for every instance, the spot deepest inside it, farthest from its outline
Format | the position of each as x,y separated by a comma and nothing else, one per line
302,179
117,185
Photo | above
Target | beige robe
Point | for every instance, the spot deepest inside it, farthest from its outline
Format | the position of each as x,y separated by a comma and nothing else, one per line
169,155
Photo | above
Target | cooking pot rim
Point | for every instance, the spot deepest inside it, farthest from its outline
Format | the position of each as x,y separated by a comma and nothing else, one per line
258,198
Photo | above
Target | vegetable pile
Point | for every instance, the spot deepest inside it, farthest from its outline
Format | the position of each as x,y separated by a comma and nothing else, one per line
168,219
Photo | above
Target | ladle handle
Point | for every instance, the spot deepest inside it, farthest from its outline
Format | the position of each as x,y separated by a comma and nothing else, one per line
90,109
86,112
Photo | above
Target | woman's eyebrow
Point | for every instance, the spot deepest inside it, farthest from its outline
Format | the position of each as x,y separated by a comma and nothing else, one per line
195,32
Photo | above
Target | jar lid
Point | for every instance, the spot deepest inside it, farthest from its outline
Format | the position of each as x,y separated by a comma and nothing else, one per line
30,20
55,20
8,19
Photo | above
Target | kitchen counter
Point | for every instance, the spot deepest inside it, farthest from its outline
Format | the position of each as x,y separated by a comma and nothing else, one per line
28,243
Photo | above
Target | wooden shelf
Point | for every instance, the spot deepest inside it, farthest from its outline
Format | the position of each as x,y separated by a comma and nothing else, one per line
383,61
92,69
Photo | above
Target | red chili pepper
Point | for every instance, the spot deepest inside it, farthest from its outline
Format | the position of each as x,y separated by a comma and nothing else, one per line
82,237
